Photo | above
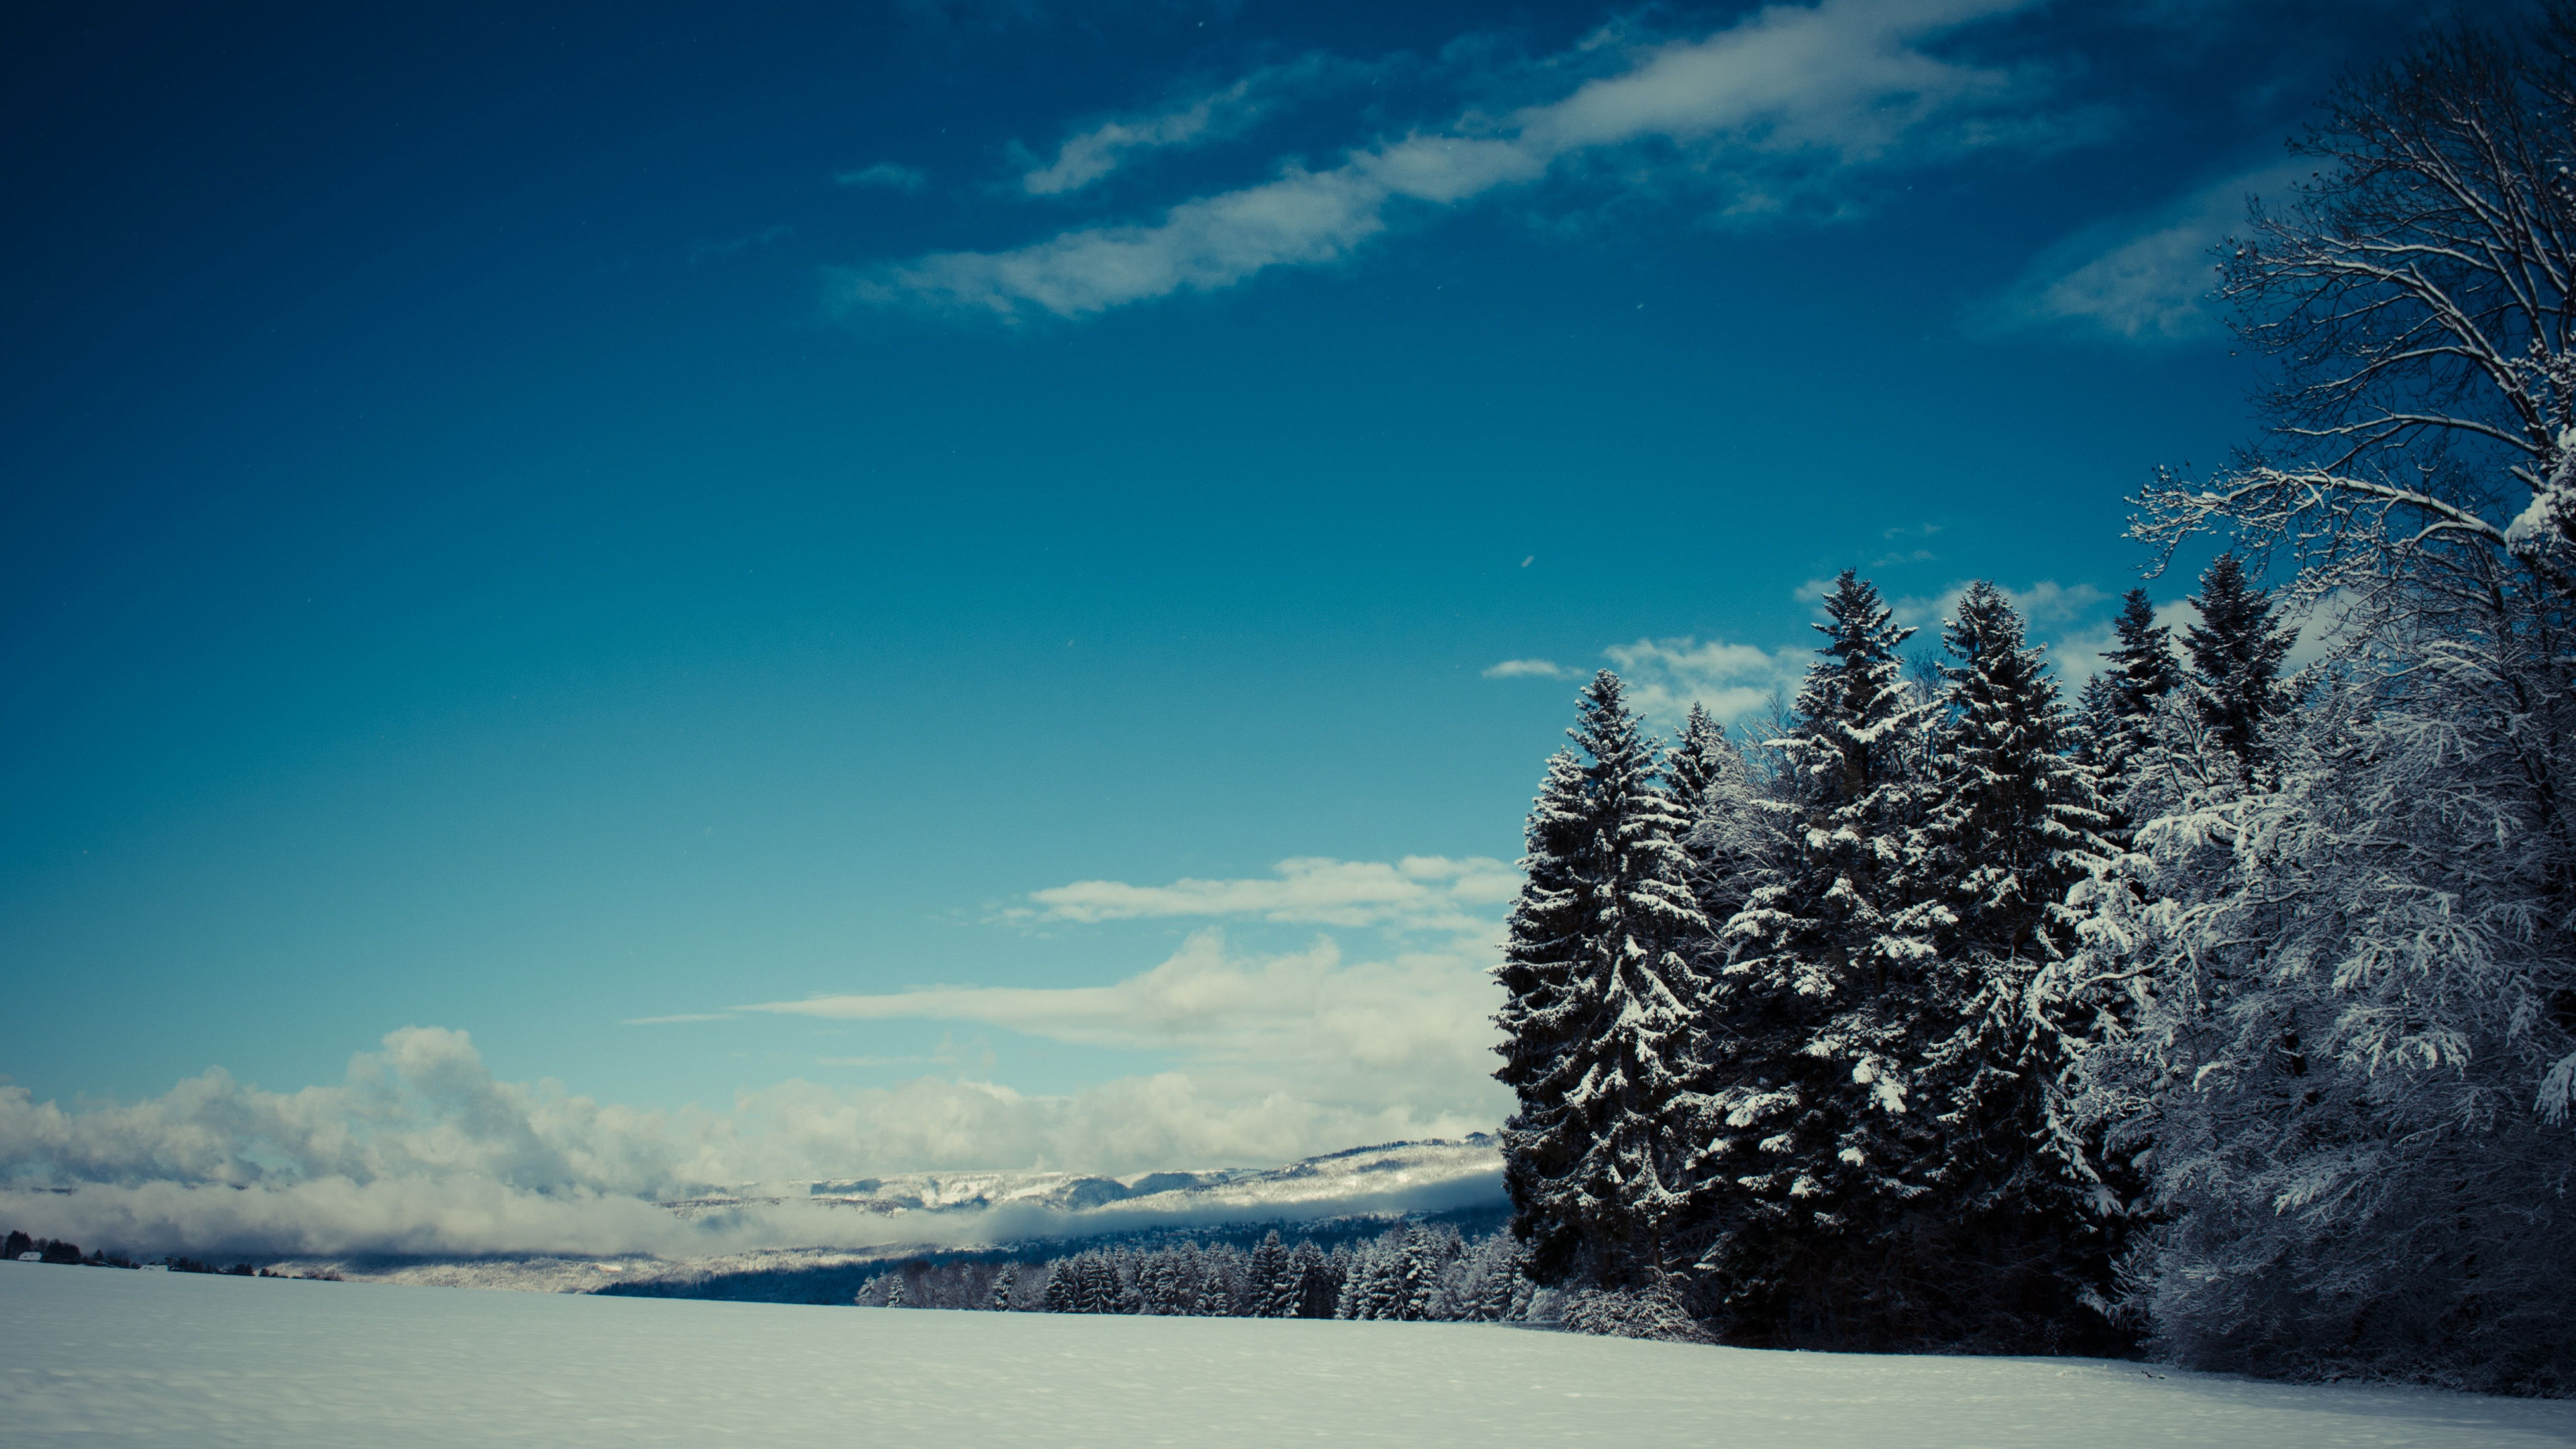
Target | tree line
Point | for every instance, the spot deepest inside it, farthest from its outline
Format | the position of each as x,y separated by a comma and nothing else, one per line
59,1250
1413,1271
2225,1009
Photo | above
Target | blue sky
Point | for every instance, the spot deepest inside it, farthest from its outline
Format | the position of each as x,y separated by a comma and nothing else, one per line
526,522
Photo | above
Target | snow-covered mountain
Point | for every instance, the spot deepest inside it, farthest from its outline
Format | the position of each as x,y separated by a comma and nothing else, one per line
851,1222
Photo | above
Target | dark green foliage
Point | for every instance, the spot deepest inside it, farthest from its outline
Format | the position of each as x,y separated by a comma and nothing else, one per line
1600,1003
2236,653
1816,1142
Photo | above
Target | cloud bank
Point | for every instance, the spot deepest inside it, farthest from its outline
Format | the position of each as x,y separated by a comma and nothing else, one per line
1765,109
419,1149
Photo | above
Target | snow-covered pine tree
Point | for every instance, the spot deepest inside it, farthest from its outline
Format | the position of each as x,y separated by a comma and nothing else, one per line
2008,1240
2116,711
1599,1007
1499,1260
1359,1285
1725,837
1003,1283
1261,1277
1698,757
1215,1298
1828,1003
2236,654
1316,1285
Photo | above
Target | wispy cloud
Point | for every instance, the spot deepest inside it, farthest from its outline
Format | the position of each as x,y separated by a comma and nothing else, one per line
1412,1029
2146,279
1766,106
676,1018
1528,669
1220,114
1419,892
885,174
2044,605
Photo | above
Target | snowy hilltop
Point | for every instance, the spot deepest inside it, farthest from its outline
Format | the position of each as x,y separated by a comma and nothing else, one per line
806,1233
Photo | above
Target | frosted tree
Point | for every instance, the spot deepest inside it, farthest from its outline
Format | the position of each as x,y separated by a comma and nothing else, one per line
1827,1001
2351,1025
1725,837
1003,1283
1270,1288
1317,1281
1600,1006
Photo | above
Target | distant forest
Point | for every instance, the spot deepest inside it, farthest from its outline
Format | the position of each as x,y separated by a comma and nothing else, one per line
2227,1009
18,1245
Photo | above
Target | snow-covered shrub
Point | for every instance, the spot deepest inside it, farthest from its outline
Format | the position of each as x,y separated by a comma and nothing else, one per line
1655,1313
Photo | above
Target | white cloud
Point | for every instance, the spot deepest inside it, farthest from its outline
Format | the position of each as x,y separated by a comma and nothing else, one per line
1528,669
1418,892
885,174
2042,605
677,1017
2077,657
2145,280
1412,1029
1666,676
1087,156
421,1151
1784,96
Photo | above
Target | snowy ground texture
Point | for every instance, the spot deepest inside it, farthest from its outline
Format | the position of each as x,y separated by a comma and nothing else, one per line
92,1355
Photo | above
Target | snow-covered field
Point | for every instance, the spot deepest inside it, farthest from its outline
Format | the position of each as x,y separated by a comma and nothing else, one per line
91,1356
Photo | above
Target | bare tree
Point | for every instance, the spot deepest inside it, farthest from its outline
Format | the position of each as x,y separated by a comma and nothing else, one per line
2419,295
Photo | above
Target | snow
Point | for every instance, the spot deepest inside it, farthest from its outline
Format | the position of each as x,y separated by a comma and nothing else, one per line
90,1355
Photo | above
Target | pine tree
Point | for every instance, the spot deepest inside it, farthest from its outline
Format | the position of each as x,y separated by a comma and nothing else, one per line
1724,838
1315,1288
1261,1277
1600,1005
1828,1002
2016,817
2236,655
2003,1230
2118,705
1003,1283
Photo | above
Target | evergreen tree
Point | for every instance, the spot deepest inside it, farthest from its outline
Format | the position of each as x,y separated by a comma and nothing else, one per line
1829,1002
2003,1231
1262,1278
1003,1283
1215,1298
1316,1284
1722,837
2143,667
2236,653
1696,761
1599,1009
2016,818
